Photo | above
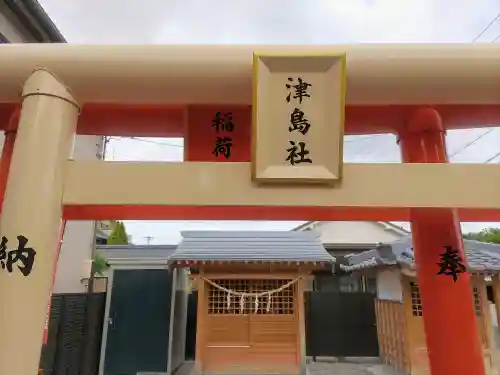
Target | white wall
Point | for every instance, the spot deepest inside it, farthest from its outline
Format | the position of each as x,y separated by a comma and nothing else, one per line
353,232
75,250
179,321
79,235
389,285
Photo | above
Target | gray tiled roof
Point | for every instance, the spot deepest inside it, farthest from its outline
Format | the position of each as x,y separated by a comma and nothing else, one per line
136,251
243,246
482,257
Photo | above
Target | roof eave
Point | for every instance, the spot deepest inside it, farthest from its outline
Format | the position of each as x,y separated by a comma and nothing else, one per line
35,20
350,246
304,226
113,262
367,265
197,262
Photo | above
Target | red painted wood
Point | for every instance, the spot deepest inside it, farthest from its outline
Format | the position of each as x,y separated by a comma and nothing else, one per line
448,307
201,136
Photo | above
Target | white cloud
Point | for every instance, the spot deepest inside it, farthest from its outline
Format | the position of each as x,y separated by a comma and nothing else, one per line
278,21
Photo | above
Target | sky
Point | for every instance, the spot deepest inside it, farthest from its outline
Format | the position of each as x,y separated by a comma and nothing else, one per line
279,22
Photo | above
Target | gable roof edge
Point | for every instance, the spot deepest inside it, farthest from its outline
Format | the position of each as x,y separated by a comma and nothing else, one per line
305,226
387,225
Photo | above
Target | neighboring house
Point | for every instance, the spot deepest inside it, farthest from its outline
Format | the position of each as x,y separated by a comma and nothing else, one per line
25,21
399,309
346,302
346,237
103,231
356,235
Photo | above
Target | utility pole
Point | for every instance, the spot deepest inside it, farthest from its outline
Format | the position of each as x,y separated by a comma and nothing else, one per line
101,155
148,239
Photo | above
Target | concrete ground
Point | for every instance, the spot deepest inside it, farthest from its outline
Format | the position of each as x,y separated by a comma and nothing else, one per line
326,367
350,368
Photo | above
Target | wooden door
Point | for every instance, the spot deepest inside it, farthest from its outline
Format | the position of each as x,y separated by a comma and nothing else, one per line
255,338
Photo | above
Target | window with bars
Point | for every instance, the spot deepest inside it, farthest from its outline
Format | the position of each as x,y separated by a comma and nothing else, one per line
416,302
477,300
282,303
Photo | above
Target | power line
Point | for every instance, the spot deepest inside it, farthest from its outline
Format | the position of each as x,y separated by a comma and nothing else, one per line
147,141
156,142
467,145
492,22
495,19
460,150
364,138
494,41
492,158
174,145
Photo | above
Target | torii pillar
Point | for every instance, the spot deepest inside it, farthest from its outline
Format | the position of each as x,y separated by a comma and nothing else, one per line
32,208
453,343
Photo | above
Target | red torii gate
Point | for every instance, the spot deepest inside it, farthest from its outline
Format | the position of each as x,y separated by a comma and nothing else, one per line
416,92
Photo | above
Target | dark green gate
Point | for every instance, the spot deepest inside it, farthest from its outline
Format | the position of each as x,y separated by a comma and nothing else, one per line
139,322
192,312
341,324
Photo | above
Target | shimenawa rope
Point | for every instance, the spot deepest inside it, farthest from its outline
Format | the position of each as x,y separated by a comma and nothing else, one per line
242,295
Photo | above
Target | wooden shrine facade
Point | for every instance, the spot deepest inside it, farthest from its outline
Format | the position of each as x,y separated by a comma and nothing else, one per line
251,286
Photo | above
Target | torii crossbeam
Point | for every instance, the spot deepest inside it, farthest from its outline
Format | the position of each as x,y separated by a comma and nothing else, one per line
414,91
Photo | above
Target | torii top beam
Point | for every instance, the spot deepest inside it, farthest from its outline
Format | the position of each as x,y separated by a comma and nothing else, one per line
388,74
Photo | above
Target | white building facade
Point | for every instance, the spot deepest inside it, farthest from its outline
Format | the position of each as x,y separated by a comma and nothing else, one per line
337,235
73,266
